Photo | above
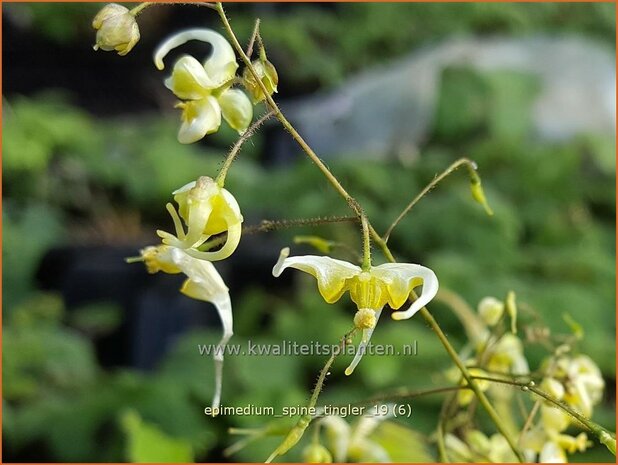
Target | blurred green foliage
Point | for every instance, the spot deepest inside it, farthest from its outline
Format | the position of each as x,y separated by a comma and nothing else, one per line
311,47
552,239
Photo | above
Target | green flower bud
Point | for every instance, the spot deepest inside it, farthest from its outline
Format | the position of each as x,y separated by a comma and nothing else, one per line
116,29
267,74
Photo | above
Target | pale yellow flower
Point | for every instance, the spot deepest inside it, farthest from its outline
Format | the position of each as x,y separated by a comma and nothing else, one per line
390,283
205,88
207,209
203,283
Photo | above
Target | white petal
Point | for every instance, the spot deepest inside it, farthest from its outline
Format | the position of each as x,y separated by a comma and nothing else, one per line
187,187
237,109
362,347
330,273
201,119
220,66
405,276
205,283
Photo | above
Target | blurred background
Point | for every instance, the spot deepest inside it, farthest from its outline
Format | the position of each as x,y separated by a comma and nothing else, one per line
97,353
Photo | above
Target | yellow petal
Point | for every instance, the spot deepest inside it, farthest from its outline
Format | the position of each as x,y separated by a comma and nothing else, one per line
332,275
189,80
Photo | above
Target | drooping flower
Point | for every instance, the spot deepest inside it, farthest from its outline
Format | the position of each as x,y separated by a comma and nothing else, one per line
203,283
116,29
266,73
207,209
390,283
205,88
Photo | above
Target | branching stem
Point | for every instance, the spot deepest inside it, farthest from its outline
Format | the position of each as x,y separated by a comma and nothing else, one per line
375,236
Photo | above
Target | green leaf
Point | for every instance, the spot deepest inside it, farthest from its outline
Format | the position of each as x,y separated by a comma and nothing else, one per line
146,443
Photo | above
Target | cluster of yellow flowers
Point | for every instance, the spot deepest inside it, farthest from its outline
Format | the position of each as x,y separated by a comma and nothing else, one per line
574,380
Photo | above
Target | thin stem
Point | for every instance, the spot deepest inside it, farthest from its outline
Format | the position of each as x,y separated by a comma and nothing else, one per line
366,244
529,421
139,8
593,427
238,145
470,380
441,428
273,225
256,31
453,167
279,115
294,435
325,369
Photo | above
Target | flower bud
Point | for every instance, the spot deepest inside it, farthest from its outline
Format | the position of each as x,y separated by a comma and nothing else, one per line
478,194
316,453
116,29
267,74
491,310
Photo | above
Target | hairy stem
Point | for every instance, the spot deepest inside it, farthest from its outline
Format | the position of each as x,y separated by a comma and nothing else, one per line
279,115
294,435
366,244
593,427
482,398
238,145
256,32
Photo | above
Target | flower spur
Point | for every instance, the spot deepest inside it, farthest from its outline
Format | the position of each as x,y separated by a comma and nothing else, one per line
203,283
370,290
